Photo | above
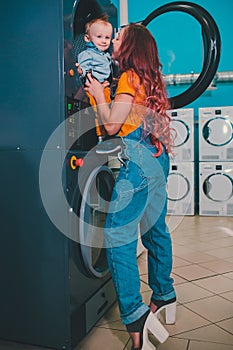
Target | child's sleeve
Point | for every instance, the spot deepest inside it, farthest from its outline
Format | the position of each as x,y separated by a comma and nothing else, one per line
85,60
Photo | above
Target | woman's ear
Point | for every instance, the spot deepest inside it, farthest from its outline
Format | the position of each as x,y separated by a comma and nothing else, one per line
86,38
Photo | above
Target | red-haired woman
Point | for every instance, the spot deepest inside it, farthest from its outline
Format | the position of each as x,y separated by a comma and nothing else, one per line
138,116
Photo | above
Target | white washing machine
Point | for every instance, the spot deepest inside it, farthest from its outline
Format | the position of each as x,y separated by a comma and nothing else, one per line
216,134
180,189
183,125
216,189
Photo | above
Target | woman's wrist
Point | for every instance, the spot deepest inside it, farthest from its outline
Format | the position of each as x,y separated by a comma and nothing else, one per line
100,98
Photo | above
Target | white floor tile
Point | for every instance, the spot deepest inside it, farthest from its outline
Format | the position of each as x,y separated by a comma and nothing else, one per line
224,242
228,275
227,325
173,343
227,295
186,320
218,266
198,345
197,257
177,262
104,339
187,292
210,333
192,272
213,308
177,279
226,252
216,284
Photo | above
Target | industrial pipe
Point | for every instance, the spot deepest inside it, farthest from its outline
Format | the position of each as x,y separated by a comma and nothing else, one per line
187,79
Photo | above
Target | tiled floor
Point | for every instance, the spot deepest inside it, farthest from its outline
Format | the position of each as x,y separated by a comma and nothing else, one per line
203,275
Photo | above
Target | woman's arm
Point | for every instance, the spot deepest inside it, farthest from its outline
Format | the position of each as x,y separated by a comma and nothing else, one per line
113,117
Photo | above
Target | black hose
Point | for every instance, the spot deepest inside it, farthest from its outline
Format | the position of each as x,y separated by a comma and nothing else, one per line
211,45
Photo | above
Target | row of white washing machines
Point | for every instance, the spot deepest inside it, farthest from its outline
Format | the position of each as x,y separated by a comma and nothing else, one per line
201,169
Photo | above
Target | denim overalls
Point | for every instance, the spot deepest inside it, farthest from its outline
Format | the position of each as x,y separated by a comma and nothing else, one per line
139,201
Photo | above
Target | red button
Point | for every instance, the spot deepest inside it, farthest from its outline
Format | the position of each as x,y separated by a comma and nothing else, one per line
79,162
71,72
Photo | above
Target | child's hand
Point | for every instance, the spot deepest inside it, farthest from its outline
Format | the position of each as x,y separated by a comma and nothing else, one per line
79,69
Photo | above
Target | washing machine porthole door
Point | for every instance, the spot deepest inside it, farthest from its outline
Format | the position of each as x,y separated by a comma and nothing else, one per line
218,131
181,132
178,187
218,187
94,205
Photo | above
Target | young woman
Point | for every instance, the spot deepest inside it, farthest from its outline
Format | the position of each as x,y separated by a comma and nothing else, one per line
138,116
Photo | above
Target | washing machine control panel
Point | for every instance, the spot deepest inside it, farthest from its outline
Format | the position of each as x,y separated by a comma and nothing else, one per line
80,125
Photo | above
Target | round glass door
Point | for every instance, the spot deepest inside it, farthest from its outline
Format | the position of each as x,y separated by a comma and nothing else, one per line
218,131
181,132
178,187
218,187
94,205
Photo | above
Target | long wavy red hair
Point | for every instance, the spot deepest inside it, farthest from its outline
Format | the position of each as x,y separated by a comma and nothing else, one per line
138,52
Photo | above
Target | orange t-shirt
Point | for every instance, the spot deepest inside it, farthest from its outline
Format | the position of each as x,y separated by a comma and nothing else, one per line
129,83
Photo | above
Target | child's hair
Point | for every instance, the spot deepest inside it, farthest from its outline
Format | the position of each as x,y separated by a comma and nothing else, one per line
102,19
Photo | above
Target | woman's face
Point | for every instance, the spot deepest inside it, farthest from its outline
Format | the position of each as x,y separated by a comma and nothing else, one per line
117,43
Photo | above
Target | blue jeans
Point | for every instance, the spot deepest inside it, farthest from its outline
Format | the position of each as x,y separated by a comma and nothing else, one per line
139,199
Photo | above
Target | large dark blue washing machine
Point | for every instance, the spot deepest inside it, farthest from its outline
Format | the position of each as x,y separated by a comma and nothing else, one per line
55,283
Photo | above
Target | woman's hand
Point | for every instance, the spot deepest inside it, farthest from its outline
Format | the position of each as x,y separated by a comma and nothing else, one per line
95,88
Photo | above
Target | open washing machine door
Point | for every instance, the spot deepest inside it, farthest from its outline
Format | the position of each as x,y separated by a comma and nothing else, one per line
93,209
211,46
89,203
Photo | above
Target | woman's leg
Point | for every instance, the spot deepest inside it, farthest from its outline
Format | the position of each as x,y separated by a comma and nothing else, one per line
156,237
158,242
121,235
132,194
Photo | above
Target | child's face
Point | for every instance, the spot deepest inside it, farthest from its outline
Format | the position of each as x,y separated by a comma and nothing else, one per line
100,34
